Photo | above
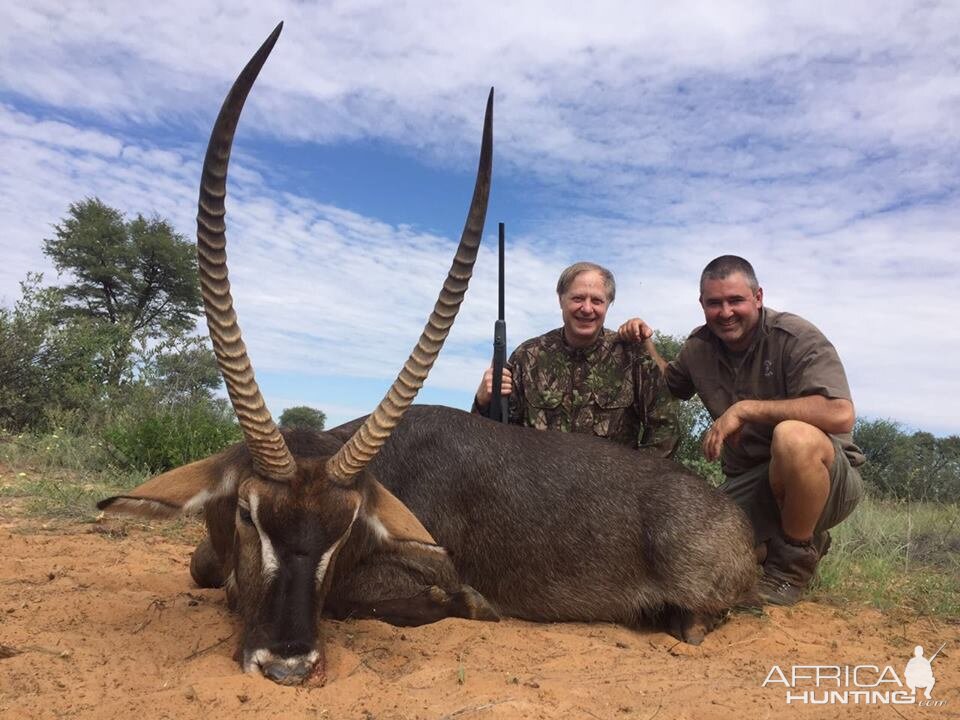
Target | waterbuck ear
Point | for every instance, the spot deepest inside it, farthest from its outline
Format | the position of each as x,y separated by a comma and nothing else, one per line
184,490
392,519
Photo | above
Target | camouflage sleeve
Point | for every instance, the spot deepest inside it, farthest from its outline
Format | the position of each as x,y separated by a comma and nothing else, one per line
518,396
475,409
659,410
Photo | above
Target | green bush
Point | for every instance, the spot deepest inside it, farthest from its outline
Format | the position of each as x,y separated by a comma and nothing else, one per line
904,465
47,364
304,417
164,437
693,421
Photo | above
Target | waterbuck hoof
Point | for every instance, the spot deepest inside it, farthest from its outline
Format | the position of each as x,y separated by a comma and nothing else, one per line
475,605
691,627
694,632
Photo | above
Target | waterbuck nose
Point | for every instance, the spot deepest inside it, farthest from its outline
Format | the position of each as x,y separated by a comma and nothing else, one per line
289,671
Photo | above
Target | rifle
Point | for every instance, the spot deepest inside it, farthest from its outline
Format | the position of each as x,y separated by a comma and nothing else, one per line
499,409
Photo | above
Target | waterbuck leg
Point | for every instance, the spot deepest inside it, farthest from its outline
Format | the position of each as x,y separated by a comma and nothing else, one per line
210,563
205,567
430,604
389,588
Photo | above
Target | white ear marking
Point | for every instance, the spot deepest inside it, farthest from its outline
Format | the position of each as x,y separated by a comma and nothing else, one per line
384,535
142,507
196,503
378,528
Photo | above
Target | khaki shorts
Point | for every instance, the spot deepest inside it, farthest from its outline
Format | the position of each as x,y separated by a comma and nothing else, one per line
751,491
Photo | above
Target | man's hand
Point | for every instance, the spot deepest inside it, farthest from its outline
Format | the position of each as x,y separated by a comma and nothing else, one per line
831,415
725,428
635,330
485,391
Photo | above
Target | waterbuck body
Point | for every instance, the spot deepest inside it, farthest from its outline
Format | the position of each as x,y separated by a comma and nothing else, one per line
558,526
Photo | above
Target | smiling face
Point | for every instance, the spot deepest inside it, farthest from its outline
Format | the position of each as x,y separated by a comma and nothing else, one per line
731,309
584,306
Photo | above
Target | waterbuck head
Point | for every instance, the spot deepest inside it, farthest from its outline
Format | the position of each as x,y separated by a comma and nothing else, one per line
281,510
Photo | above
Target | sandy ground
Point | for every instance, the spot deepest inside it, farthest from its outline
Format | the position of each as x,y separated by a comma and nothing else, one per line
102,621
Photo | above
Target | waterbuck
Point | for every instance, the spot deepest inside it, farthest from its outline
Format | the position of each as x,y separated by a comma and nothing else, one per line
443,514
278,523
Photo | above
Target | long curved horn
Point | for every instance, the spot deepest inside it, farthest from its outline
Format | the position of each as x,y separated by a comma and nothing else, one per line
264,441
363,446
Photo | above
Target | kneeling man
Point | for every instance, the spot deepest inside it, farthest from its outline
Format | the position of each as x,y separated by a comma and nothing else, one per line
783,417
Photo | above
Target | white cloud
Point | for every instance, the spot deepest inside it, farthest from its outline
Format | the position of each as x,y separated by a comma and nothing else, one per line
818,139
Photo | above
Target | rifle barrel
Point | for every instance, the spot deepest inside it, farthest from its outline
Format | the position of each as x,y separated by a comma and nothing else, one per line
501,307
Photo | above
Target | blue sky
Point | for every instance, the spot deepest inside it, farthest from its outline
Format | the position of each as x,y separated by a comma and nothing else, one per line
819,140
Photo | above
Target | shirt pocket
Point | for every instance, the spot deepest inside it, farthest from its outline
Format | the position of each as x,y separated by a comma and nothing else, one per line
609,406
543,408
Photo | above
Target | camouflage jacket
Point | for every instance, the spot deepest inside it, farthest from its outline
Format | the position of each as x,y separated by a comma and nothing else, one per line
612,390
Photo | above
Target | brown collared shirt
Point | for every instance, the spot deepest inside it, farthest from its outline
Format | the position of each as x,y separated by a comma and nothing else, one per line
611,389
788,358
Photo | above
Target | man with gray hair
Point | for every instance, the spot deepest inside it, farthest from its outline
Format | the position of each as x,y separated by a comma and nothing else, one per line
783,417
584,378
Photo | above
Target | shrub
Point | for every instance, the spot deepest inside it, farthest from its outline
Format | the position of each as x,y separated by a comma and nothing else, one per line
908,466
164,437
693,421
47,364
303,417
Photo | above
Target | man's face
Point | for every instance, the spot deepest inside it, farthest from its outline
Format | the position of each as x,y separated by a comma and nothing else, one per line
731,309
584,306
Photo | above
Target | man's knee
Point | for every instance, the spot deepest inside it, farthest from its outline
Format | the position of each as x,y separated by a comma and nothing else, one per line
797,441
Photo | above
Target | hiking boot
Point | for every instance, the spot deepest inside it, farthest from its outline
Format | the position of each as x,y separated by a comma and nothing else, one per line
788,569
822,542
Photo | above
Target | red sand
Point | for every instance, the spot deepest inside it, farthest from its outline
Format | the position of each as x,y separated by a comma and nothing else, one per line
103,621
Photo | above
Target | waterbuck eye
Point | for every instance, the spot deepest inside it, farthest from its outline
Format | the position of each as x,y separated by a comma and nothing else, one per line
245,517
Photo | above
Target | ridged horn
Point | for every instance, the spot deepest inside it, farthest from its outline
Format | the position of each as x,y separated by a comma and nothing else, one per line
367,441
270,454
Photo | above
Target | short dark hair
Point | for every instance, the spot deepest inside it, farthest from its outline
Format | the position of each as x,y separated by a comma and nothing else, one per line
725,266
569,275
